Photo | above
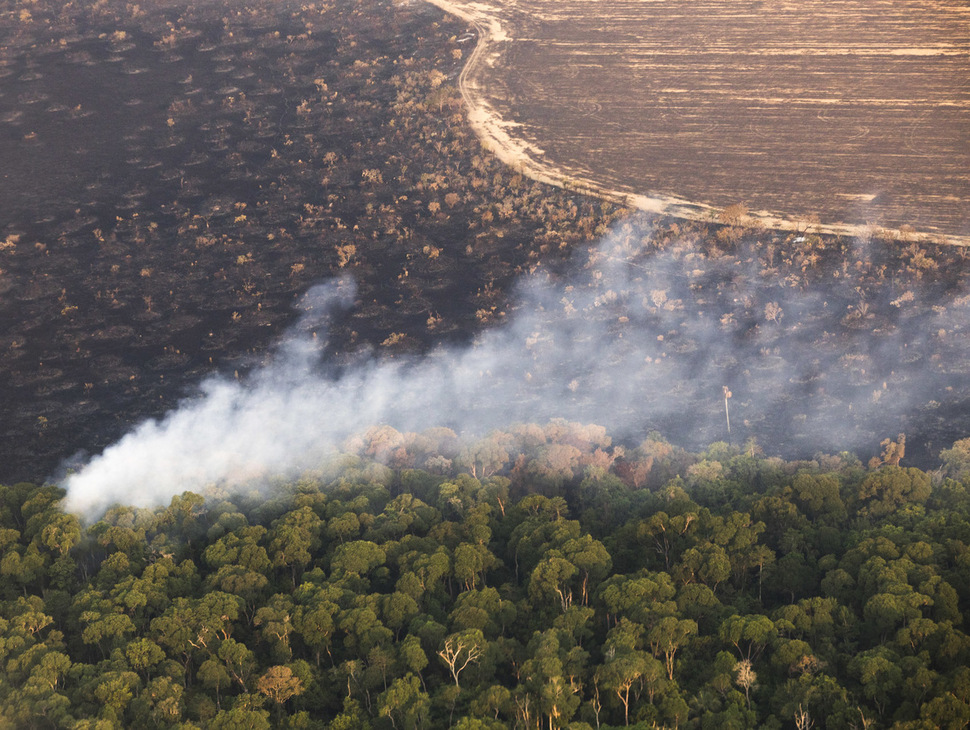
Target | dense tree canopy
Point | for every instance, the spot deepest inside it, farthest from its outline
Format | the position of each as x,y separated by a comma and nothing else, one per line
533,581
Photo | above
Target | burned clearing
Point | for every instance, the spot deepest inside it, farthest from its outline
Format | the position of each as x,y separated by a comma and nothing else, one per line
855,112
177,178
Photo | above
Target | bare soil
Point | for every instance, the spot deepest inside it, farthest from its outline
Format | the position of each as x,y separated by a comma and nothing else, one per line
855,112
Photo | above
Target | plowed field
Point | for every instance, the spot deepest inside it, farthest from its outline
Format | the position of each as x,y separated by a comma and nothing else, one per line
857,111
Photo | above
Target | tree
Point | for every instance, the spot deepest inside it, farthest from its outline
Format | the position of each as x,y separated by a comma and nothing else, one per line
472,562
708,564
404,703
243,716
314,622
884,491
553,675
591,559
495,700
424,572
892,452
397,610
143,655
344,527
294,536
279,684
241,547
214,616
819,496
483,609
275,620
213,674
160,702
238,660
115,690
238,580
412,655
105,627
357,558
51,669
885,611
487,456
24,565
880,675
363,630
956,460
457,496
352,717
551,579
746,678
946,711
460,650
748,634
61,533
623,671
638,599
668,637
665,534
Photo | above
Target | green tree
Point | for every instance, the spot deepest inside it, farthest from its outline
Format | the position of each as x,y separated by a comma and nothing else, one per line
879,674
623,672
591,559
214,675
667,638
143,655
553,675
114,692
888,489
275,622
707,563
239,662
404,703
103,625
819,496
61,533
357,558
749,634
471,563
160,703
244,715
639,598
483,609
294,536
552,579
956,460
313,620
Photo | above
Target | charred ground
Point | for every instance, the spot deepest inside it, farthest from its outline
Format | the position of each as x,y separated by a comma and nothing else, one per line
176,177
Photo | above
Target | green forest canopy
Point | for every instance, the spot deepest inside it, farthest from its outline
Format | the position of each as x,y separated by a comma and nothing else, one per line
540,577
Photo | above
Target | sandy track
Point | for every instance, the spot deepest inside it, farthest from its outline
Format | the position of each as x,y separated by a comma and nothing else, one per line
858,118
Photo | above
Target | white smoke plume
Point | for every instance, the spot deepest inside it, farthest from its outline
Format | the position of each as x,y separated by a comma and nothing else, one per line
633,338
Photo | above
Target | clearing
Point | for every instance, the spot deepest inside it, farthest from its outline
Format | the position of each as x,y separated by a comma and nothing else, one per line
855,112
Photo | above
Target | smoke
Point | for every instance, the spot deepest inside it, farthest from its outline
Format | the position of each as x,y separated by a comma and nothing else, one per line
635,336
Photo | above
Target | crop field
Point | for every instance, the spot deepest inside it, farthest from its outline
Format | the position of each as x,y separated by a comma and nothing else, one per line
855,112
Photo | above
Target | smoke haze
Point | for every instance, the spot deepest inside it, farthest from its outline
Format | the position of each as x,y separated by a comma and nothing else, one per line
633,337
